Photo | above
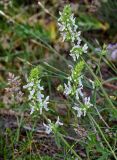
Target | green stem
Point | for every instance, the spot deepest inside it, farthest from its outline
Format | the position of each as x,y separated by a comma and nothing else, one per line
66,143
114,155
105,94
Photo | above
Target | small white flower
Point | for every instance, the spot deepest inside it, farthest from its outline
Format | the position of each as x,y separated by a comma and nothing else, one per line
71,67
80,88
77,35
72,38
84,112
58,123
51,126
74,52
72,19
80,81
77,95
61,27
44,104
60,15
32,109
74,56
31,94
39,96
78,109
74,49
68,88
79,92
39,86
48,128
64,36
84,48
28,85
87,102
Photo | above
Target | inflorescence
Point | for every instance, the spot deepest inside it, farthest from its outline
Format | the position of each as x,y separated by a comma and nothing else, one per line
37,99
74,87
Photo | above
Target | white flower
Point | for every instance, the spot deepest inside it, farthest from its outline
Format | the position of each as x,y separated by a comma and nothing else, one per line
74,56
72,19
71,68
84,112
48,128
58,123
39,96
72,37
84,48
32,109
74,52
64,36
31,94
80,88
28,85
51,126
80,81
40,87
74,49
78,109
77,35
68,88
61,27
87,102
44,104
79,92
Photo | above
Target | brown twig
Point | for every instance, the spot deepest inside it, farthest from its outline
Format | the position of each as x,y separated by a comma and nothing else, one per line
109,85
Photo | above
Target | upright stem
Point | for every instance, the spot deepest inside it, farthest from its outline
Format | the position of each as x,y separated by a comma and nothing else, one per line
105,94
114,155
65,142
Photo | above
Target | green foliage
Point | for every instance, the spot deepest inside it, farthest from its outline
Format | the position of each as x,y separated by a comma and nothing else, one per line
67,21
26,31
35,73
66,13
47,158
77,72
89,22
107,12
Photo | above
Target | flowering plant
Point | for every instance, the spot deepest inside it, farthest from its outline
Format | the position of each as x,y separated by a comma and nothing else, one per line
51,126
37,99
74,87
80,94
